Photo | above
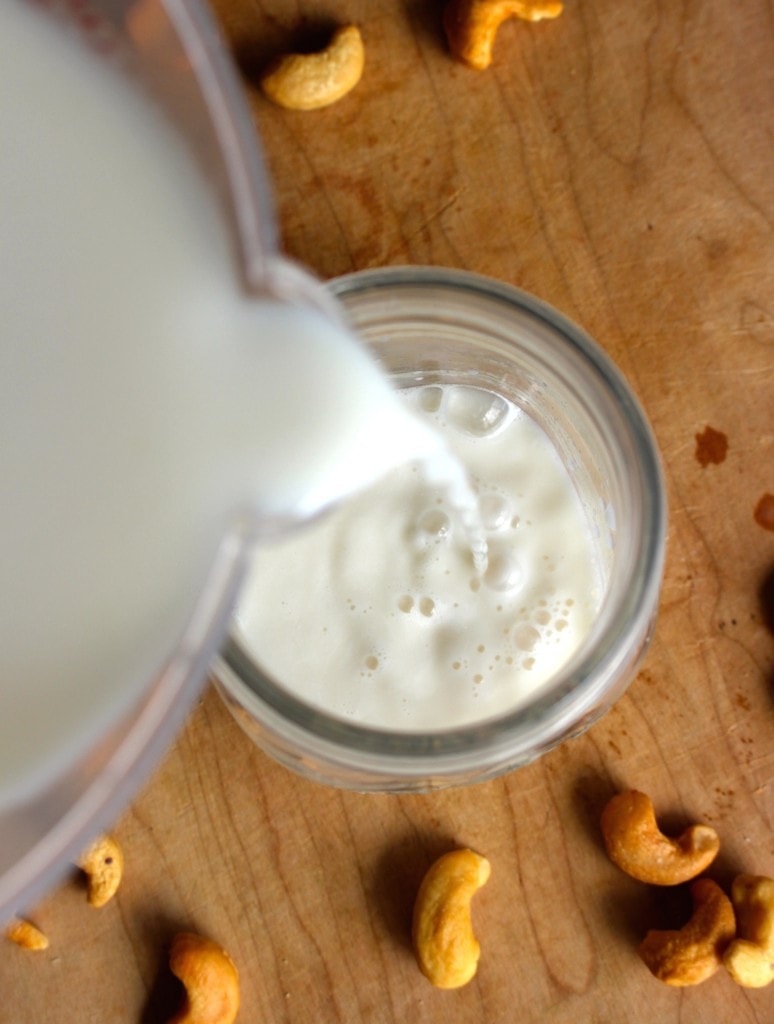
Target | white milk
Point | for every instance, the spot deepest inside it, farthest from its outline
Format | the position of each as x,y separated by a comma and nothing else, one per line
377,613
145,403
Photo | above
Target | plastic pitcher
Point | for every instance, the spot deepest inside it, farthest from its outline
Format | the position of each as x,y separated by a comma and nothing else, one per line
107,445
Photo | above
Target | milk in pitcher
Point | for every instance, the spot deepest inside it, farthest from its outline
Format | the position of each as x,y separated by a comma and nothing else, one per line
149,408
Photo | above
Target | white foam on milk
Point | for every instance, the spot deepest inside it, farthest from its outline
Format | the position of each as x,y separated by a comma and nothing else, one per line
379,613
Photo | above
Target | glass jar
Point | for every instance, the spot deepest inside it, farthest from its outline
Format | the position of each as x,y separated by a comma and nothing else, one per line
430,326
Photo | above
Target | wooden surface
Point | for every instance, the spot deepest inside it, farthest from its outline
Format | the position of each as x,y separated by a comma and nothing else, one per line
617,163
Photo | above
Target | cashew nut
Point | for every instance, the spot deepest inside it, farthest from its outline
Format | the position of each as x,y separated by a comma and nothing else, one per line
103,863
445,947
210,978
750,957
636,844
308,81
26,935
693,954
471,25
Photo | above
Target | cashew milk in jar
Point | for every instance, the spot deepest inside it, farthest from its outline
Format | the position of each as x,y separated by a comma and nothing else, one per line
379,614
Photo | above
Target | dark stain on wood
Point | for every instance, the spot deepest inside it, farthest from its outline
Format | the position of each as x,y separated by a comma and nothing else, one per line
764,512
711,447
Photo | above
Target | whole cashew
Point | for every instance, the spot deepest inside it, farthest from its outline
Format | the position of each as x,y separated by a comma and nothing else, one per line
103,863
310,81
471,25
445,947
26,935
210,978
693,954
750,957
636,844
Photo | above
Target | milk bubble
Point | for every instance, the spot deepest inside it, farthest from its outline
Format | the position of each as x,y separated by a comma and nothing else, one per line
526,637
504,571
495,511
430,398
476,411
432,527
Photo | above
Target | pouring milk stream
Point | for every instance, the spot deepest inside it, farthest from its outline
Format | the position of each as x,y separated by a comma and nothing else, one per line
148,406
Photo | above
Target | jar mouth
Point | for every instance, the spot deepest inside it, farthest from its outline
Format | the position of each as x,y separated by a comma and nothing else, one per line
602,666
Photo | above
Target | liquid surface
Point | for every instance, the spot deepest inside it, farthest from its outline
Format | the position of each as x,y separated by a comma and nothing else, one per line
377,613
145,403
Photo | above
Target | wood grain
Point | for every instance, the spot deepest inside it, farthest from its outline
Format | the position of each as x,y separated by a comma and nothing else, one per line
616,162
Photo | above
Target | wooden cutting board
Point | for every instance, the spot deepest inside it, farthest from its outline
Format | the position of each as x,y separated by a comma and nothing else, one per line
616,162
